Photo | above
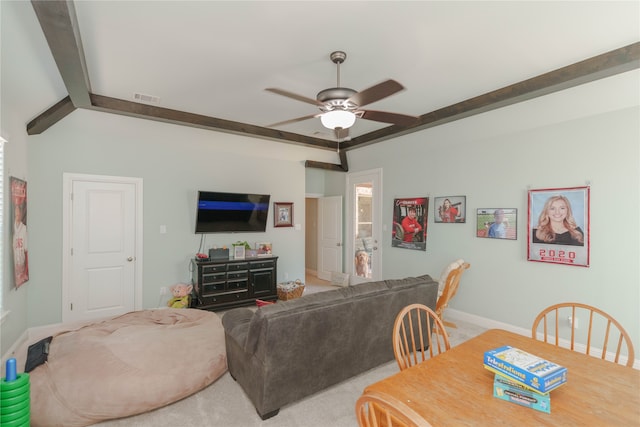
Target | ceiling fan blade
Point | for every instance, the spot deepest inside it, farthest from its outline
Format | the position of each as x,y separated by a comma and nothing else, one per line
376,93
298,119
295,96
394,118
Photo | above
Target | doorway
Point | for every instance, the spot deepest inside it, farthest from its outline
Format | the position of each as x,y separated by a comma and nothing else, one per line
324,250
364,210
102,246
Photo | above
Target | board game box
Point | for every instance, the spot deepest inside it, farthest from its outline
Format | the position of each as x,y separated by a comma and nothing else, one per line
525,368
511,391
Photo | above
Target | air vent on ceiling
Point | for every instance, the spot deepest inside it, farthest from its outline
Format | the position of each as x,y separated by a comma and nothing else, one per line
149,99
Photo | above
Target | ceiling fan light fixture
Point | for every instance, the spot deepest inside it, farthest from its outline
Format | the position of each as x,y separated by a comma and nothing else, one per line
338,119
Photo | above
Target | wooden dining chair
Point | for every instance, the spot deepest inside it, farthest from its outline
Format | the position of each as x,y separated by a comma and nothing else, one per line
453,274
377,410
569,324
417,331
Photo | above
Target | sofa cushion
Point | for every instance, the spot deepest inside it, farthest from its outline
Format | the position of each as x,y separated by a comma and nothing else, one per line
406,282
360,290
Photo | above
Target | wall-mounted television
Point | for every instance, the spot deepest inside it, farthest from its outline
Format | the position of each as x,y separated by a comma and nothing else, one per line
231,212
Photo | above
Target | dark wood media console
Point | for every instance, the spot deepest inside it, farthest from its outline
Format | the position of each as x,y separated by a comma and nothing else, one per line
221,284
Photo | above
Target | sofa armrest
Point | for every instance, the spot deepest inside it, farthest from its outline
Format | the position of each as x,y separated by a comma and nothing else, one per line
236,324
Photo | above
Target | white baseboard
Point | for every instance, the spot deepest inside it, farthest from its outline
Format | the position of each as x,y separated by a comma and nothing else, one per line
486,323
23,339
494,324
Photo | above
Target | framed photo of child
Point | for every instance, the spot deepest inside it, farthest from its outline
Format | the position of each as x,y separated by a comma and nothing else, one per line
497,223
283,214
558,226
410,223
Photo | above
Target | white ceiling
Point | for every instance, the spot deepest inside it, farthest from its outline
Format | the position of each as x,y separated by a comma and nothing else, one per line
216,58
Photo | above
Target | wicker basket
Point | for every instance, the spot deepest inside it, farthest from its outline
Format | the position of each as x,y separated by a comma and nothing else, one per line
290,290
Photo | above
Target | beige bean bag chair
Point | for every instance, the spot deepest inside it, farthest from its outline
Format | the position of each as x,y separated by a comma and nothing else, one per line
127,365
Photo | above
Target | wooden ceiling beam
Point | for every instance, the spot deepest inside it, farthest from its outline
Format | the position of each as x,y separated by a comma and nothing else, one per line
608,64
166,115
342,167
53,115
60,27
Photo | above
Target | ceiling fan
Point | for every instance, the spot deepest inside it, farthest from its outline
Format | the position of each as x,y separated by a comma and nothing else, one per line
340,106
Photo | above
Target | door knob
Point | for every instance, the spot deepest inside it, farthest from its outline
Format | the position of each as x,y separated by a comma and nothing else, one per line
130,259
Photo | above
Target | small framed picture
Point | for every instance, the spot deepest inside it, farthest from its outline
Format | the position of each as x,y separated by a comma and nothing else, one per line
238,252
263,248
450,209
497,223
283,214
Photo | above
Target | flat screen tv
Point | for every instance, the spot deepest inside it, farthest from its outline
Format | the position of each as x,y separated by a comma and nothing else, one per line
231,212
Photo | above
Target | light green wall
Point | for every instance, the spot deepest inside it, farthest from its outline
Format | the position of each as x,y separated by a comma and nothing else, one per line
496,171
12,128
174,163
314,181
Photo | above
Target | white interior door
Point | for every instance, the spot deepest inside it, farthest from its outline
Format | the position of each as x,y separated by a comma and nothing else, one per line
103,253
329,236
364,236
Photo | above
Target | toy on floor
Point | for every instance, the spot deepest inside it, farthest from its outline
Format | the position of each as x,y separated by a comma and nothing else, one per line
181,296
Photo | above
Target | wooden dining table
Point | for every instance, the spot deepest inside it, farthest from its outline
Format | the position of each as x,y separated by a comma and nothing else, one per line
454,388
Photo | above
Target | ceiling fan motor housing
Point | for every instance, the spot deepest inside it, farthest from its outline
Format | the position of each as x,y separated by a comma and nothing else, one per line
336,97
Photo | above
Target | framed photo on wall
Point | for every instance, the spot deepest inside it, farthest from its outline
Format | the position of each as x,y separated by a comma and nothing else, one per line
410,223
559,226
451,209
283,214
497,223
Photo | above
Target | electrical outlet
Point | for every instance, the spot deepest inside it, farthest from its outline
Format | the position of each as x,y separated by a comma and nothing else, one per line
573,322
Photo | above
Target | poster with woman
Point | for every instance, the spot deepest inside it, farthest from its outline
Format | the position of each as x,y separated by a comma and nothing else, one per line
558,226
19,231
410,223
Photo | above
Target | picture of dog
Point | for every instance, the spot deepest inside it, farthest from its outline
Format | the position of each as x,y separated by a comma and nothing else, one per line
362,264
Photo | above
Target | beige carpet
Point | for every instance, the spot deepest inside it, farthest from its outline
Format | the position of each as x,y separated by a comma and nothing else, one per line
224,403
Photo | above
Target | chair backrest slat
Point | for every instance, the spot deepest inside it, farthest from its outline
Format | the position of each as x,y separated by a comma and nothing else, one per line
452,283
375,409
418,331
600,324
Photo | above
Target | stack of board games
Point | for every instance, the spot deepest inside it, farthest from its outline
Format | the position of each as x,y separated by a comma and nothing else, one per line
524,378
511,391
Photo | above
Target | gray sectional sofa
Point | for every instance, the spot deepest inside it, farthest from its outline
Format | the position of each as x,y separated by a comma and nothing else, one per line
284,352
